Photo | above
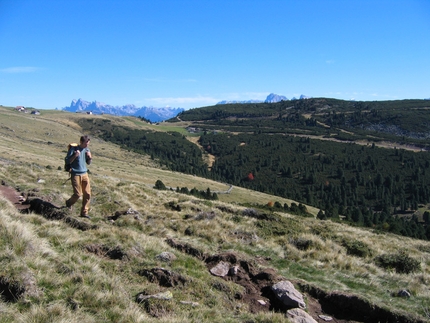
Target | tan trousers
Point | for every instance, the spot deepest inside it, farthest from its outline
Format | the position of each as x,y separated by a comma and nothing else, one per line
81,187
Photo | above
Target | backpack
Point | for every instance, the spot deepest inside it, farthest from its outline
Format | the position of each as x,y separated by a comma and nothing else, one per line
67,166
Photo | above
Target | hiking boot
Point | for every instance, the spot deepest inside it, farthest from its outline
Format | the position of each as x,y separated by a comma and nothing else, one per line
69,206
85,216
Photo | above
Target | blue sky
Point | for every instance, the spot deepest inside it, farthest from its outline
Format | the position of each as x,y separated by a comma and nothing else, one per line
194,53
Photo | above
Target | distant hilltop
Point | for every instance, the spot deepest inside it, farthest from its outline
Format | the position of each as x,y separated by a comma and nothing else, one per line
271,98
150,113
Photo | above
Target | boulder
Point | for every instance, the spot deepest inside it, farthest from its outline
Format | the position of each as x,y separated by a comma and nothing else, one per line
289,296
166,256
297,315
221,269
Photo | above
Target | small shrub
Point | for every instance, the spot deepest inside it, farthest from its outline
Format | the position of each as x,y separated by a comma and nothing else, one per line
159,185
400,262
270,225
278,205
301,243
321,215
357,248
236,218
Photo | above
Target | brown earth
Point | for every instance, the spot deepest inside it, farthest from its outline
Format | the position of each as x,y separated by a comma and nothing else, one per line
257,295
30,202
323,306
14,196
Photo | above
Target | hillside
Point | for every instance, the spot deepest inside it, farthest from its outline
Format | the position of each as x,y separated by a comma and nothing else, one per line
366,162
145,255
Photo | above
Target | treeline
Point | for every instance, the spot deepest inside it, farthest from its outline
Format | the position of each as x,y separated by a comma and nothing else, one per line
370,186
406,121
207,195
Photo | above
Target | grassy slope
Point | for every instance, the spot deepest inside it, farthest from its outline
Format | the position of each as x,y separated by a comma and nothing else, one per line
72,285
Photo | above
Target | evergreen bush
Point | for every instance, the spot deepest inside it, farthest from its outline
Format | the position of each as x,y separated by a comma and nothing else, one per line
400,262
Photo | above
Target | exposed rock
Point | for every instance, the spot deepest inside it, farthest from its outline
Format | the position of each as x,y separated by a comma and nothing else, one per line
156,305
167,295
233,270
325,318
288,294
257,285
166,256
256,282
151,113
273,98
221,269
297,315
261,302
193,304
404,293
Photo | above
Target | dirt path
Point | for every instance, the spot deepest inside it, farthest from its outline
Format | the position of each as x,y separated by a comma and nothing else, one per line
210,159
14,196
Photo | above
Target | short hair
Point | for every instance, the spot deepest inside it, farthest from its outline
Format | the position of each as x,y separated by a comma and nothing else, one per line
85,138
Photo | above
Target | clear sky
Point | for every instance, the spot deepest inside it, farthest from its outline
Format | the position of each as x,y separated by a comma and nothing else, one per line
194,53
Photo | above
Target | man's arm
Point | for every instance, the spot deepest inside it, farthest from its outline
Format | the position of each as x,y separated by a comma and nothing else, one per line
73,155
88,157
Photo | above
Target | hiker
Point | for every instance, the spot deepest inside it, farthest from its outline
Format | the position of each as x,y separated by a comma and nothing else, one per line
78,157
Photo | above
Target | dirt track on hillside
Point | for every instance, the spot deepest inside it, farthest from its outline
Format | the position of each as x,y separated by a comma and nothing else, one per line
15,197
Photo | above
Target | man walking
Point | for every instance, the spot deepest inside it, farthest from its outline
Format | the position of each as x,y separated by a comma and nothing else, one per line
79,157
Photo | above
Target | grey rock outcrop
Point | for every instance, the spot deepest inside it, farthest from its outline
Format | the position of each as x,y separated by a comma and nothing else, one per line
221,269
288,294
297,315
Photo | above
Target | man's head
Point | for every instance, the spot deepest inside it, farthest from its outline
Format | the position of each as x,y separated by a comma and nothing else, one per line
85,140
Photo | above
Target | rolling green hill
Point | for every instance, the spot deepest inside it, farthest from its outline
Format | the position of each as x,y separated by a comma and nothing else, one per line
103,269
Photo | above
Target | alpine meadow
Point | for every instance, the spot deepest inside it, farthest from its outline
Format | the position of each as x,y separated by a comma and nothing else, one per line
201,218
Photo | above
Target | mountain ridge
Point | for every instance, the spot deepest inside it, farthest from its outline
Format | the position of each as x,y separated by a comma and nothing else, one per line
271,98
152,114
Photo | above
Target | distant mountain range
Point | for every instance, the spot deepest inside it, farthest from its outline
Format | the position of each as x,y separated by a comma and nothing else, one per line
271,98
150,113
